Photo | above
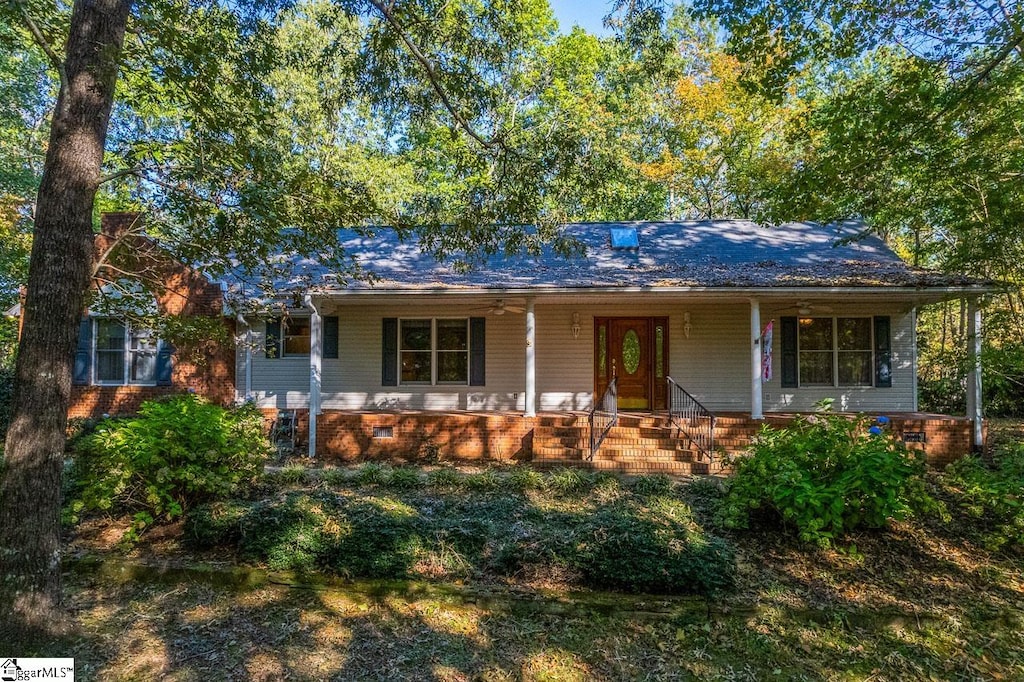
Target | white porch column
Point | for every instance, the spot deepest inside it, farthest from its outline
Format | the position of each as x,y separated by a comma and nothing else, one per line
756,401
531,360
315,364
974,395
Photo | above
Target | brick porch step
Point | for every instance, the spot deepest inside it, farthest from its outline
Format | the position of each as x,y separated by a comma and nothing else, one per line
633,466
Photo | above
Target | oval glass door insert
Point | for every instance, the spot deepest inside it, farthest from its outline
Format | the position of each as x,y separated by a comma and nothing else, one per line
630,352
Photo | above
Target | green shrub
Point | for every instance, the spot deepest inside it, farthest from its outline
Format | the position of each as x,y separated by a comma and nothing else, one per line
524,478
335,477
216,524
445,477
653,548
365,537
564,481
993,495
652,485
825,476
293,474
404,478
177,452
372,473
488,479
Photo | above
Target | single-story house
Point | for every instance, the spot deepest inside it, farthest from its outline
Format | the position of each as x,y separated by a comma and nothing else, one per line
688,334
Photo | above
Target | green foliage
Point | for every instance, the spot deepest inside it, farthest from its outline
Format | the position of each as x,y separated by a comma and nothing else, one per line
633,544
524,478
177,452
566,481
372,473
653,485
825,476
404,478
993,495
482,481
335,477
293,474
653,548
445,477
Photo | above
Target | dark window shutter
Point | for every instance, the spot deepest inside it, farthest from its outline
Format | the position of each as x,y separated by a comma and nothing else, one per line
790,372
164,364
330,348
883,352
83,354
389,359
272,339
477,351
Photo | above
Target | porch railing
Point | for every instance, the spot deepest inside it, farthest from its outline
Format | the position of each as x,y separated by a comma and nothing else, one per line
603,416
692,419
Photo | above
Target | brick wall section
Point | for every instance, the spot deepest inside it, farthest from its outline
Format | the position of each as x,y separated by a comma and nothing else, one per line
348,436
208,368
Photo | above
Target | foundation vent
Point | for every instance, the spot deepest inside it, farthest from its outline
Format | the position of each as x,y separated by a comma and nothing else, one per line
383,431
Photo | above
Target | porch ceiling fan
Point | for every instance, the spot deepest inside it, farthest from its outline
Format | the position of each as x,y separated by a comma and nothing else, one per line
808,308
500,307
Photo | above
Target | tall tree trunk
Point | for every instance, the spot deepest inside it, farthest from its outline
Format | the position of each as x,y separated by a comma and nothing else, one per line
62,253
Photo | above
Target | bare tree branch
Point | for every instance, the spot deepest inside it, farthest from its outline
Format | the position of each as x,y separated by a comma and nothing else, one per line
386,11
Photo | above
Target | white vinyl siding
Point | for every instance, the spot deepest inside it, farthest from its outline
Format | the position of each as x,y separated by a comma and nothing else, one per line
713,363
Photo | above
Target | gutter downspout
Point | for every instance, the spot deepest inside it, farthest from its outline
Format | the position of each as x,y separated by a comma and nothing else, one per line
315,367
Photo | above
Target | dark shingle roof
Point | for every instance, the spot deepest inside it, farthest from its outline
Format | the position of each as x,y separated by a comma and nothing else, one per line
713,254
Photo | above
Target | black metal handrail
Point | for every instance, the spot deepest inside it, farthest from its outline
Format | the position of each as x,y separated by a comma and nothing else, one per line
603,416
691,418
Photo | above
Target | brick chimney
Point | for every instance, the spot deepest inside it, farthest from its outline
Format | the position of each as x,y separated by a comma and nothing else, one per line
116,225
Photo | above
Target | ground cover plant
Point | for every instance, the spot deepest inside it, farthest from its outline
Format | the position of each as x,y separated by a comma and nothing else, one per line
177,452
384,522
917,601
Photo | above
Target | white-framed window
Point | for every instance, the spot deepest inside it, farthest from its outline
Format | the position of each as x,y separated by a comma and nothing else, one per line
433,351
836,351
123,354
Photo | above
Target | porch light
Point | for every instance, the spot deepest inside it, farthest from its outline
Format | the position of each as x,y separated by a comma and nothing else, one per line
687,327
575,325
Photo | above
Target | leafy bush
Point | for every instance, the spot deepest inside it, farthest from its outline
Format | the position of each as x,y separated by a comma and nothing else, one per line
524,478
653,548
293,474
445,477
993,495
488,479
216,524
177,452
372,473
335,477
404,478
825,476
566,481
652,485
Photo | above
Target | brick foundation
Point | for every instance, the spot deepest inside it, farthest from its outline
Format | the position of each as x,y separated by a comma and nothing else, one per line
349,436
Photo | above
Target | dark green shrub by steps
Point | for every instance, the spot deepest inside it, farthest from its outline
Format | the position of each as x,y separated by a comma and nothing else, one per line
825,476
992,495
175,453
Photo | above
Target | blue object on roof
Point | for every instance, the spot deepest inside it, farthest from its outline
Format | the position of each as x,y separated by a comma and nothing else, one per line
625,238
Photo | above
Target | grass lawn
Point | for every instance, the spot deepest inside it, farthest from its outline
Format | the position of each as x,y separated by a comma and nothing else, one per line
919,601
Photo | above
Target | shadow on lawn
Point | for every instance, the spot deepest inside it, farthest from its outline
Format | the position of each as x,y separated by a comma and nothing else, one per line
913,605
